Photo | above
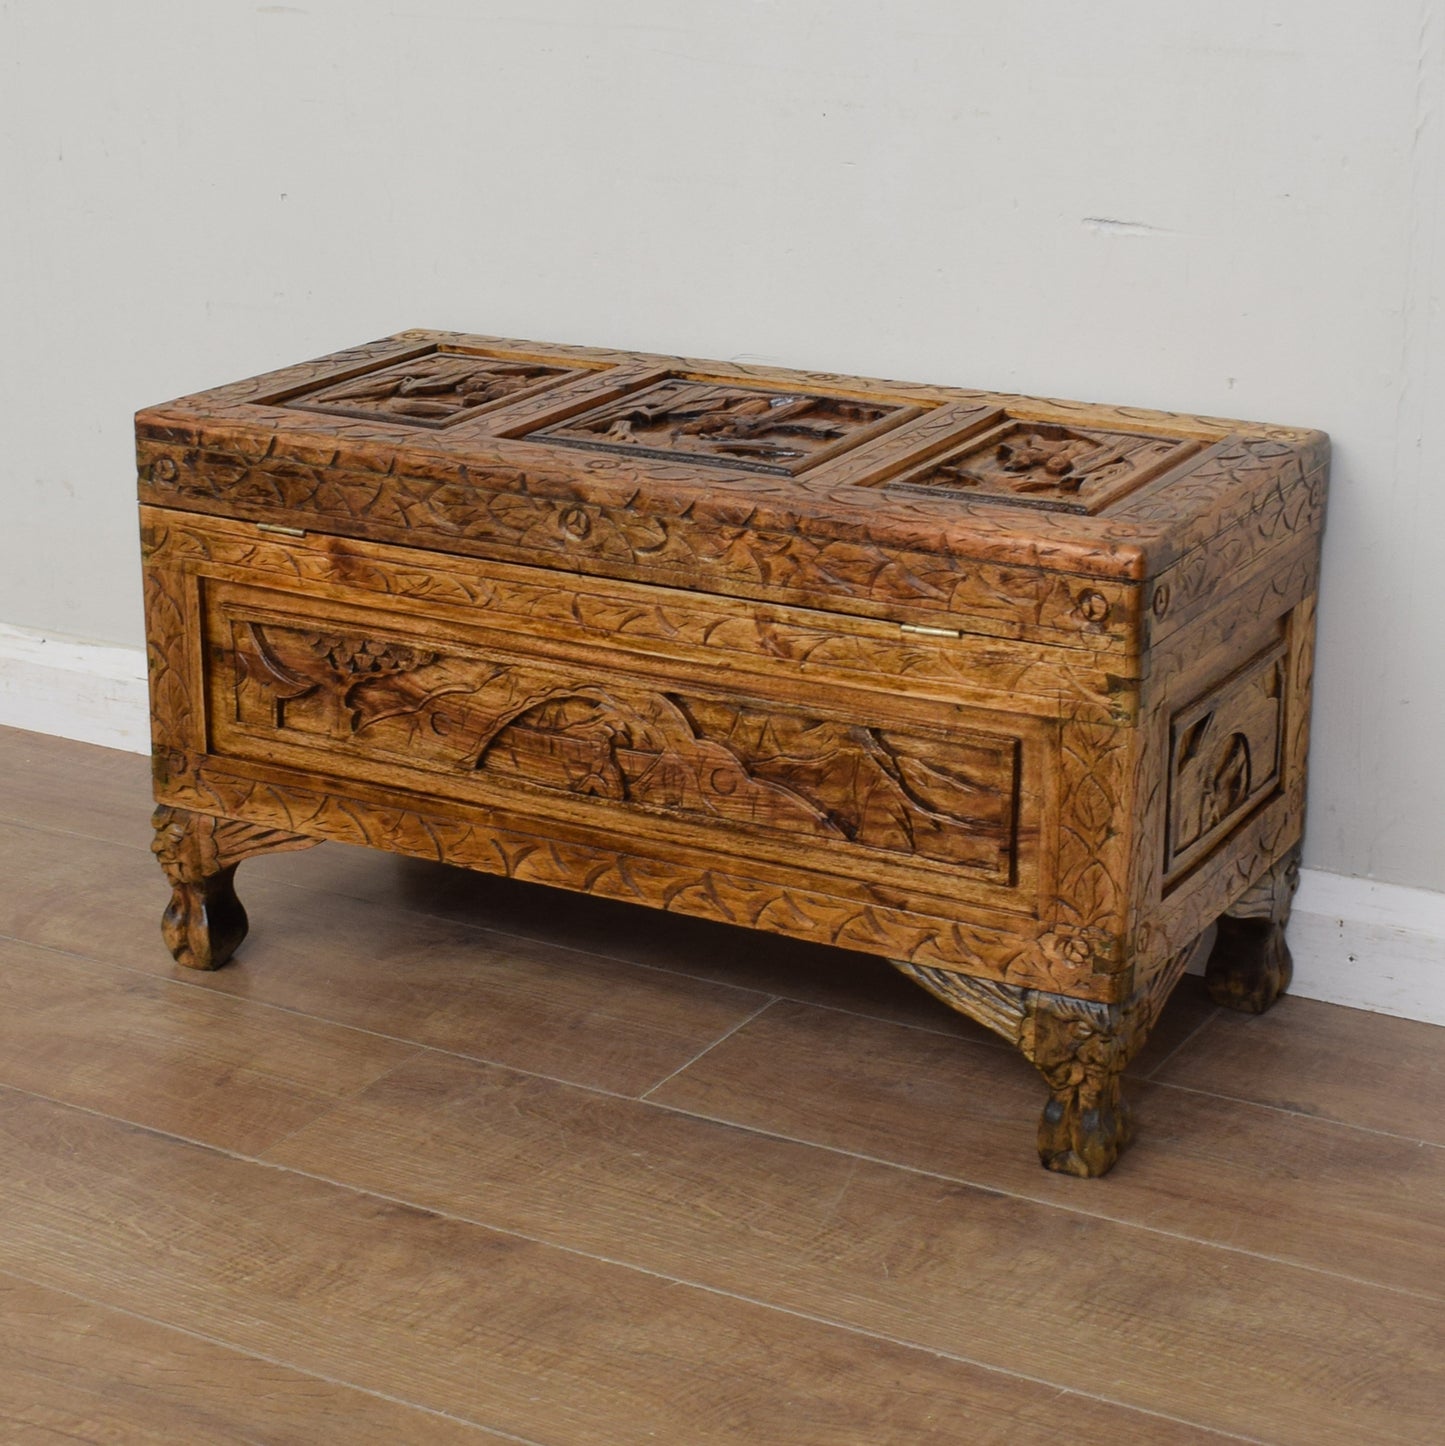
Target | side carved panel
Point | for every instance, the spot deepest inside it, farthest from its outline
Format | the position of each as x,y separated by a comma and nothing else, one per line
1225,753
520,725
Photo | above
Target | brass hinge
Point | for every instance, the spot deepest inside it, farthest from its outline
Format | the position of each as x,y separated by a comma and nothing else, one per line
281,531
929,632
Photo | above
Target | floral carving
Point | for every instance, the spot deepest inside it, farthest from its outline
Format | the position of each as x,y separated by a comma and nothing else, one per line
1046,465
1092,860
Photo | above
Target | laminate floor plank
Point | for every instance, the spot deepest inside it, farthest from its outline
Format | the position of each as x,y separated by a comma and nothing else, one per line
75,787
701,948
531,1004
83,895
104,793
491,1328
71,1371
1266,1271
1371,1070
1234,1343
1245,1176
188,1061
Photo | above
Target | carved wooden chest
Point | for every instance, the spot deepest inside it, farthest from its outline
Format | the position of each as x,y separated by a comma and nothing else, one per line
1012,692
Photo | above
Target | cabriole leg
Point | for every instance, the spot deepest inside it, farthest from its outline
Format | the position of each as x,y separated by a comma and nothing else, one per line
204,922
1251,964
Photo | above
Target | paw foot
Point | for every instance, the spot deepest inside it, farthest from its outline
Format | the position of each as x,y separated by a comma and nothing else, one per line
1250,966
1083,1142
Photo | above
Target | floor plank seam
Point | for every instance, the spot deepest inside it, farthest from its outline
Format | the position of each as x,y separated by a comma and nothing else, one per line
11,821
1299,1114
184,981
1188,1039
256,1355
983,1038
707,1049
451,1215
403,908
331,1107
1063,1206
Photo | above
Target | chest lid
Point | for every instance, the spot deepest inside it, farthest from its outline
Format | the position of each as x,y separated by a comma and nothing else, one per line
938,507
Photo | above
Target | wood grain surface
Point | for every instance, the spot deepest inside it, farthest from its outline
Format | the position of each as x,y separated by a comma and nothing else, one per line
77,1371
1352,1201
484,1325
815,1226
189,1061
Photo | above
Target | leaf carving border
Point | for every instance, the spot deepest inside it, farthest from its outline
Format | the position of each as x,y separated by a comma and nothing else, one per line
1026,956
1009,672
508,513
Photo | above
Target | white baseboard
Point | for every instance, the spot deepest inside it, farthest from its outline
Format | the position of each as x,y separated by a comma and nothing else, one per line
94,692
1367,945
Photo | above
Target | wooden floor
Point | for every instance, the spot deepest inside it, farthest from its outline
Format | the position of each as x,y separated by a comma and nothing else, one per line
441,1158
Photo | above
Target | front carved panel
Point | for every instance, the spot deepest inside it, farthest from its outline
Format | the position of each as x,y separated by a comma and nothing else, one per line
1043,464
434,390
520,727
1224,757
698,420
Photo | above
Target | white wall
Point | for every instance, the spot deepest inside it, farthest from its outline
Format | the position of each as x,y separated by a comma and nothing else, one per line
193,191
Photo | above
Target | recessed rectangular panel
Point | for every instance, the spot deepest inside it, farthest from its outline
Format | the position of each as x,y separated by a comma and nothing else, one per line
437,389
1047,465
1224,758
724,423
610,744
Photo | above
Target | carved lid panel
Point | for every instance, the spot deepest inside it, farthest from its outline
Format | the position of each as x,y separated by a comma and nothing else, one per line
436,389
1044,464
1006,516
698,419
